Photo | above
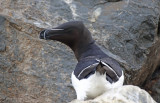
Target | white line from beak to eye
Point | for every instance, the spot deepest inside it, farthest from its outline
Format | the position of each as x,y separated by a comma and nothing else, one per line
57,29
50,29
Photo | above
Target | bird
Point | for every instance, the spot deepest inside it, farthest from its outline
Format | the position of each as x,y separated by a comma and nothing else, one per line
95,72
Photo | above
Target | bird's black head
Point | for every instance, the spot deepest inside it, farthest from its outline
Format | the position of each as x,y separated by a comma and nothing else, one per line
66,31
74,34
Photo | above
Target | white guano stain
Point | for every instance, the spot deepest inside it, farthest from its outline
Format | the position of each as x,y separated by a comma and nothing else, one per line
96,13
72,7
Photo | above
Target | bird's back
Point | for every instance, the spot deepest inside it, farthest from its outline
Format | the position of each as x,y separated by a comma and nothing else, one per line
96,73
94,59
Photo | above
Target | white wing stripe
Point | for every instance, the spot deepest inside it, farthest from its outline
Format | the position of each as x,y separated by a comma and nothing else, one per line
86,68
110,68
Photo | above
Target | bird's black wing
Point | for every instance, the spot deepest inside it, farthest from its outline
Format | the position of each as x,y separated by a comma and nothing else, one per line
114,65
112,69
85,68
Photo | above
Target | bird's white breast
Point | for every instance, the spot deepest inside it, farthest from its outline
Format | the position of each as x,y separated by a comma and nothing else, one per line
93,86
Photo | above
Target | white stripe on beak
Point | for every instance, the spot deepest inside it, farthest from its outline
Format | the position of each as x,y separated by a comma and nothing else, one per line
45,34
50,29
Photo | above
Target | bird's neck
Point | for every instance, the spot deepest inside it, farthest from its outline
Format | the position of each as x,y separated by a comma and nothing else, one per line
88,50
81,43
81,49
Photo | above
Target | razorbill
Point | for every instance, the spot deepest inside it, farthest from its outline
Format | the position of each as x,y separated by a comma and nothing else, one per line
95,72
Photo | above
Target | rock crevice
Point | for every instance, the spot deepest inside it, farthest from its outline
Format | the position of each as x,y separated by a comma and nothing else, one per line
158,31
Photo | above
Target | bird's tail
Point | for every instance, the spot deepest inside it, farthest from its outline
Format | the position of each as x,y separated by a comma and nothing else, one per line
111,75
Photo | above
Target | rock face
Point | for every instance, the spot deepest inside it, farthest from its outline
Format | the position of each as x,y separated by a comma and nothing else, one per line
33,70
124,94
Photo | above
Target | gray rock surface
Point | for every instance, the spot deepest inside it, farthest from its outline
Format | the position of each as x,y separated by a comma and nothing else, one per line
34,70
124,94
152,85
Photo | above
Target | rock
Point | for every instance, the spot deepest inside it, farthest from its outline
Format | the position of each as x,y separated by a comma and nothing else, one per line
33,70
30,72
113,0
152,85
124,94
2,39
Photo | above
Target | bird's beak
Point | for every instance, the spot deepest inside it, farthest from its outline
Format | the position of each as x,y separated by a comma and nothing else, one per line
43,33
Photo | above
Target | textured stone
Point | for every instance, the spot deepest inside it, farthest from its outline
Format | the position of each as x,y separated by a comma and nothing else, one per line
152,84
33,70
124,94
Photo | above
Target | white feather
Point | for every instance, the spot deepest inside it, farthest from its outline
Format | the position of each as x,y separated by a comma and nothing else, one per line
93,86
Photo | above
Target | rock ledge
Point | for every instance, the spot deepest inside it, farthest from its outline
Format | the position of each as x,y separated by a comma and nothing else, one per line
124,94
